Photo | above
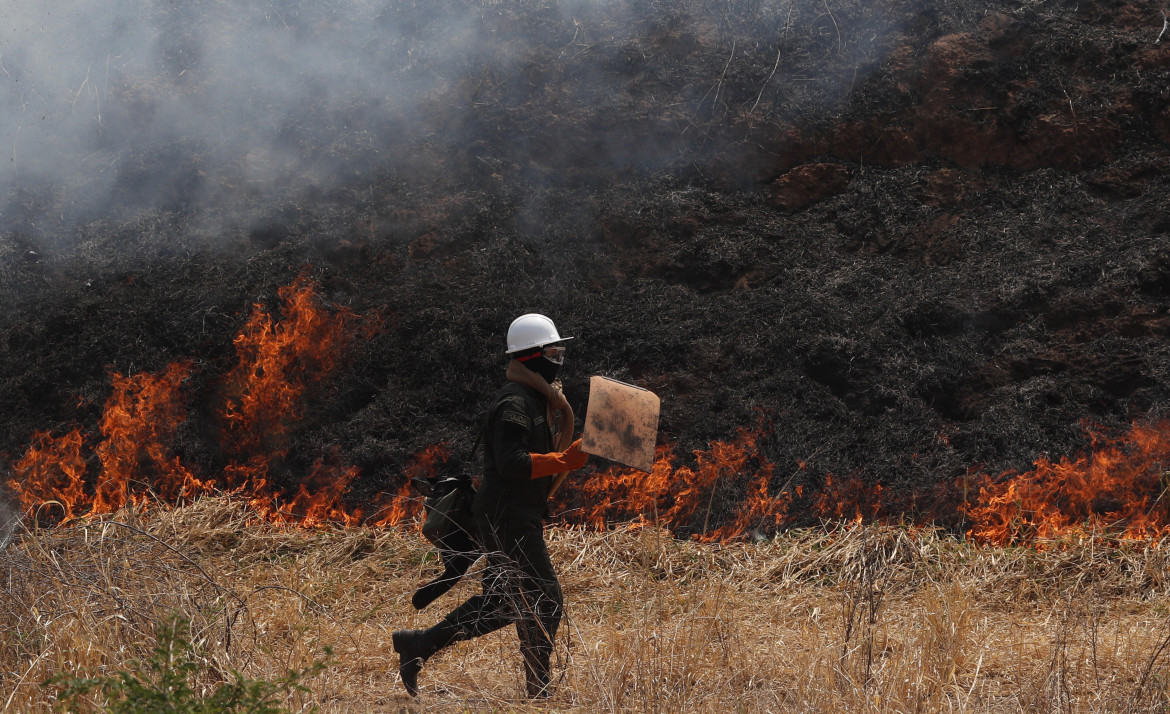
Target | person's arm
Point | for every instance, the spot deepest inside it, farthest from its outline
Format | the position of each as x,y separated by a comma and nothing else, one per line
557,462
514,459
510,432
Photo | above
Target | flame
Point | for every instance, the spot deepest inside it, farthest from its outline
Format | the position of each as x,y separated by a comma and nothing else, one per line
1119,486
139,423
728,491
277,361
685,498
265,393
728,477
317,502
51,471
848,499
405,506
264,397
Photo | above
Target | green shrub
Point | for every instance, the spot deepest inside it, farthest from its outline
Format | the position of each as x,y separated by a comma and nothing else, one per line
163,683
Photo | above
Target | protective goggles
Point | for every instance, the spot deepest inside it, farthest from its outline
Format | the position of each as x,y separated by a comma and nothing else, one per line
554,353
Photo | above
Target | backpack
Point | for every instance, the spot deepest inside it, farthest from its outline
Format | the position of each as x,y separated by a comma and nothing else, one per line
447,504
448,527
448,508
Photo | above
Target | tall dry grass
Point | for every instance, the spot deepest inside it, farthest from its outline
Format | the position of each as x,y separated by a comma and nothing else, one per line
860,619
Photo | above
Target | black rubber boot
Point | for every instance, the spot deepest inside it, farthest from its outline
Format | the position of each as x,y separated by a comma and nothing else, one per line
456,567
412,648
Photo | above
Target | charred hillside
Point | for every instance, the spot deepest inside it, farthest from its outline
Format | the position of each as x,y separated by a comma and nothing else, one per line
904,239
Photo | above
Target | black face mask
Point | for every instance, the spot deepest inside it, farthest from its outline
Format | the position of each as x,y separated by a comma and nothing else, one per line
544,367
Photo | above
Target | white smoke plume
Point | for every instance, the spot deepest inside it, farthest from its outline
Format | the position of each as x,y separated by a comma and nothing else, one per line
110,107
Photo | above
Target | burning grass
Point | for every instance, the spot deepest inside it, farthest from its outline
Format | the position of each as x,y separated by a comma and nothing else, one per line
856,618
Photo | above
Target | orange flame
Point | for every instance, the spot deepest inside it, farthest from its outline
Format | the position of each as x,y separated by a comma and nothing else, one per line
139,423
264,397
277,360
685,498
728,492
51,471
848,499
317,502
405,506
1119,487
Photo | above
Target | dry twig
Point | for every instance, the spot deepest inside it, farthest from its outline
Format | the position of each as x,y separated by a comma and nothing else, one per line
776,65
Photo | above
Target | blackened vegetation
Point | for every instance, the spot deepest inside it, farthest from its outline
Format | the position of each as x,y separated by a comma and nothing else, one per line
913,237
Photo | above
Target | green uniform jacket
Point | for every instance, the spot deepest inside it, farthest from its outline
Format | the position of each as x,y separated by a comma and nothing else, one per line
516,426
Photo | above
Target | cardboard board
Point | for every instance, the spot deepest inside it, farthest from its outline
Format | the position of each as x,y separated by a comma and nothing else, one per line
621,423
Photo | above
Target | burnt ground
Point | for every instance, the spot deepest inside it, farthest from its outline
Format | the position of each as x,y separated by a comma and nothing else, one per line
915,238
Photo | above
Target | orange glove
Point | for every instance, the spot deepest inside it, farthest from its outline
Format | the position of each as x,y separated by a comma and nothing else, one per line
556,462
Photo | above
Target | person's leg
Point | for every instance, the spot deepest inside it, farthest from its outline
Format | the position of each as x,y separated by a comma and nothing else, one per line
458,551
476,616
540,603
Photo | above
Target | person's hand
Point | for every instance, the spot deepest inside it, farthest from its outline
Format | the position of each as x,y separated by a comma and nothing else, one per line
568,460
574,457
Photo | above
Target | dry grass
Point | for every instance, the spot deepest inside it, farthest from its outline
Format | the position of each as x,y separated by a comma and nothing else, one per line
868,618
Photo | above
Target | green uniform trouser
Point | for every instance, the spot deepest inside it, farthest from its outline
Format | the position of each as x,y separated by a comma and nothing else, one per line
519,586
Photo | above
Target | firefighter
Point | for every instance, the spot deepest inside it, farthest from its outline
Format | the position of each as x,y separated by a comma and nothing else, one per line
520,466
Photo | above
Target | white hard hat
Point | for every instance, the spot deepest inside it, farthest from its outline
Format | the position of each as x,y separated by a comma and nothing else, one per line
532,330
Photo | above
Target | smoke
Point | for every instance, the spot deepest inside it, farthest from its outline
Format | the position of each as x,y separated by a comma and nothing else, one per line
128,104
214,108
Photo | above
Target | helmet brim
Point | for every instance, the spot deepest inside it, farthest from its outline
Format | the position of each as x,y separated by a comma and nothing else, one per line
542,344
